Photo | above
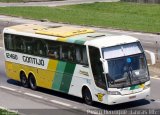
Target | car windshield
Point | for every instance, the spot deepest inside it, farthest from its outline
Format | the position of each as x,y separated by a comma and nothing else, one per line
126,66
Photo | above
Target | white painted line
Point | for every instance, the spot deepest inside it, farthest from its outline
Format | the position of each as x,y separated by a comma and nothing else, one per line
33,95
8,88
75,107
158,100
61,103
148,42
155,78
20,91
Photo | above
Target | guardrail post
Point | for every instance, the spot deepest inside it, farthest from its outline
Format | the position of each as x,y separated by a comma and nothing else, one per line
157,50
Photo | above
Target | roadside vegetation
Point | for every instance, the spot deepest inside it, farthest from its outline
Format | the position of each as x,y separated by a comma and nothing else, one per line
11,1
118,15
14,1
5,112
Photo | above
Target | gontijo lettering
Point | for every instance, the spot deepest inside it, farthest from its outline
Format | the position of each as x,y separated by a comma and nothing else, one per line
33,60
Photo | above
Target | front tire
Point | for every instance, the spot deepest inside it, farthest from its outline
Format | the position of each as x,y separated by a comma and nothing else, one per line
87,96
24,80
32,82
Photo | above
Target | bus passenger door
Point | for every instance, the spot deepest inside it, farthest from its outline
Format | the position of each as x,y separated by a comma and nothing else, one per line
97,68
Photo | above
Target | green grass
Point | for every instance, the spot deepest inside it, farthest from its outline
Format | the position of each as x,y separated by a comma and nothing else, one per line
5,112
126,16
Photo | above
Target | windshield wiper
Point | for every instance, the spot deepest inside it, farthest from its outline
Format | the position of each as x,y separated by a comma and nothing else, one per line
111,80
120,80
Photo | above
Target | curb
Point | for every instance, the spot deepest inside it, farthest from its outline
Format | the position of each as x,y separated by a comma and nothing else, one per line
8,110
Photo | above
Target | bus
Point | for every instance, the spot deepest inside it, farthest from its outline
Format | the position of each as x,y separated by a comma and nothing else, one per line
98,67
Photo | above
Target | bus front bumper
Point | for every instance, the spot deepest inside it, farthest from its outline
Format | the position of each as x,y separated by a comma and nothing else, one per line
117,99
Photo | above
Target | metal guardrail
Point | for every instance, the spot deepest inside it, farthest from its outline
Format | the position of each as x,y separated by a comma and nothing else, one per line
142,1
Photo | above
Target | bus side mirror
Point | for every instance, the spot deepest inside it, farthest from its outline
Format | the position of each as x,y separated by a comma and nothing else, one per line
152,56
105,65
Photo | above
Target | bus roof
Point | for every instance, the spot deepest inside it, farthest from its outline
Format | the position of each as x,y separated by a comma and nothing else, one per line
69,34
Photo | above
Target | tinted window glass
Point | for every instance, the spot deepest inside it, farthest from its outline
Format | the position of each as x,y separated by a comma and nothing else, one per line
47,48
8,40
97,68
40,48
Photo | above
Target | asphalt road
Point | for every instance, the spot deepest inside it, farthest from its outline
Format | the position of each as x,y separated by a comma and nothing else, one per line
54,3
38,102
149,41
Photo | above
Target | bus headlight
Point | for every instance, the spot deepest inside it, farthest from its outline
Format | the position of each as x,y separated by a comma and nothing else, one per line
146,86
113,93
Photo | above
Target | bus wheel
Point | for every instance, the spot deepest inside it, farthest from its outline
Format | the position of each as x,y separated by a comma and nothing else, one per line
24,80
32,82
87,96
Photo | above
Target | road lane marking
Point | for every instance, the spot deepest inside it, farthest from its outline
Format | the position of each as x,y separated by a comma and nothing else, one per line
147,42
61,103
33,95
8,88
155,77
158,100
75,107
37,96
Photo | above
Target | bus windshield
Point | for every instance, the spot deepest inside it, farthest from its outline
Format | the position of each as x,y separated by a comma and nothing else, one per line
127,69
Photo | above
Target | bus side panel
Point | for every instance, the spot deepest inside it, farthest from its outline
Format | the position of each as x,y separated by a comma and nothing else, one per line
46,77
58,75
11,70
67,77
80,77
63,76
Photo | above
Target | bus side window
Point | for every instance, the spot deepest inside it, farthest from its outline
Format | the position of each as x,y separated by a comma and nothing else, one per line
84,53
78,55
19,44
81,54
97,68
67,52
64,51
28,45
8,40
40,48
53,49
71,53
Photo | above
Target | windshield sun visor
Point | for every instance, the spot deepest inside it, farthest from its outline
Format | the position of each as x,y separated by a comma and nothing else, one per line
122,50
